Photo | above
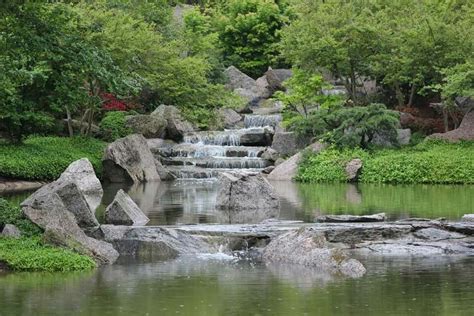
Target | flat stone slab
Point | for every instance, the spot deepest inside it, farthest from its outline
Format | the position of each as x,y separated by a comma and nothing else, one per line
351,218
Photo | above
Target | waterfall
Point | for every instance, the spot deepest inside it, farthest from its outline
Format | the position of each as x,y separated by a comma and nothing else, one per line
261,120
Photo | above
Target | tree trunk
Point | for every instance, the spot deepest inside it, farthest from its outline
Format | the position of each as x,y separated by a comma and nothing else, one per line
89,124
69,122
412,95
83,119
445,120
399,94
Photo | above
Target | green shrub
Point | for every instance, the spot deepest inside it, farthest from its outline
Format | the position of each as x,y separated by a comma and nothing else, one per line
429,162
45,158
328,166
10,214
28,254
113,126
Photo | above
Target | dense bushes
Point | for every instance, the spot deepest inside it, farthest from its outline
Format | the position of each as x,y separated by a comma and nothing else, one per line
45,158
428,162
113,126
29,254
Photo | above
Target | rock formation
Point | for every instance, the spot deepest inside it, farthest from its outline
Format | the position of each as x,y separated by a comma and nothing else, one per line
129,159
123,211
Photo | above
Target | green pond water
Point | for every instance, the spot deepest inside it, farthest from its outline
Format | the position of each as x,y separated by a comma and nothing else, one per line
220,285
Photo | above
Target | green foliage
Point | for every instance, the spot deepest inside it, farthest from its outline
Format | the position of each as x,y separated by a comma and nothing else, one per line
348,126
113,126
28,254
10,214
328,166
45,158
428,162
249,33
403,44
47,68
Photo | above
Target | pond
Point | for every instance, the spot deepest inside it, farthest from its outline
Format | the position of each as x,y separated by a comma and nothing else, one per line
221,285
193,201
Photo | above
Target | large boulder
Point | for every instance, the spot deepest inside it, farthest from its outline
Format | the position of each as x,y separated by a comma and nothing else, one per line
148,125
353,169
236,79
276,77
78,189
257,137
176,126
308,247
129,159
123,211
383,139
465,131
82,173
288,143
288,169
53,209
230,117
245,191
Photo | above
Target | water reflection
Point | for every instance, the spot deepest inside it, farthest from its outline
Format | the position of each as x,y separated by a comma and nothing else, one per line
192,202
194,286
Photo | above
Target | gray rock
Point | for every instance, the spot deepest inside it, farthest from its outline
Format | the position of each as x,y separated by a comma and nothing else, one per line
436,234
279,161
164,173
468,218
268,169
82,173
310,248
148,125
46,209
353,169
230,117
270,154
129,159
380,217
236,79
257,137
176,126
288,169
123,211
354,233
263,88
10,231
288,143
242,191
402,137
151,243
276,77
78,189
465,131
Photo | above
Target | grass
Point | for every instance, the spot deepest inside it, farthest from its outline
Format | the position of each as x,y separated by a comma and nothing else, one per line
45,158
29,254
430,162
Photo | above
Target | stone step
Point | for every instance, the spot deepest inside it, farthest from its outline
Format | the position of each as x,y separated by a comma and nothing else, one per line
259,136
191,172
218,163
204,151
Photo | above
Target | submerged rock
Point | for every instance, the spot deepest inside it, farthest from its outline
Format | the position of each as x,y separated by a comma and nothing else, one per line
243,191
129,159
123,211
152,243
10,231
308,247
380,217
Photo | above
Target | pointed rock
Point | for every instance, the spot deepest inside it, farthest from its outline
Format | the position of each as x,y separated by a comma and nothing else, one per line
123,211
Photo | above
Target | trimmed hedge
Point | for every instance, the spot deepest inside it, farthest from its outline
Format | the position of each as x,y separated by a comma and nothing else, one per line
430,162
45,158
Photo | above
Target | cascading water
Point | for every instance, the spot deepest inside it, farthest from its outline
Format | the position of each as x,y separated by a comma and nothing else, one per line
205,154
